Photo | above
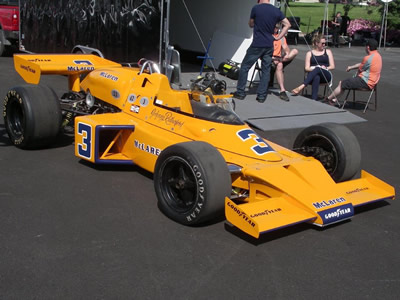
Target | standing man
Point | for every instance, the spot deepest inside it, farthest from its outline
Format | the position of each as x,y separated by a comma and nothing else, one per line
368,73
263,18
337,26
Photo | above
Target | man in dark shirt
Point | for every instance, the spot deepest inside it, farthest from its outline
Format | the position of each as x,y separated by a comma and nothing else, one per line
263,18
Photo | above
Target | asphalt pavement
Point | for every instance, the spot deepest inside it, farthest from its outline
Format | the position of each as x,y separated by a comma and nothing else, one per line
71,230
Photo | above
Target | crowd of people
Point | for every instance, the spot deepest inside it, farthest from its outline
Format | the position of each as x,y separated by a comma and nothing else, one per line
269,45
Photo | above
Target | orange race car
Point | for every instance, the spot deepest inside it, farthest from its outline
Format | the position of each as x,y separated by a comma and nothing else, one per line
205,159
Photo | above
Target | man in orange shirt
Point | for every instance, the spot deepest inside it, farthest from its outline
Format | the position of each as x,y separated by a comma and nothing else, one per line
368,74
281,57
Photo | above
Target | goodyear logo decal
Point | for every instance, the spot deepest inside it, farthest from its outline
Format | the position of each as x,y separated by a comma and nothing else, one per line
241,214
336,214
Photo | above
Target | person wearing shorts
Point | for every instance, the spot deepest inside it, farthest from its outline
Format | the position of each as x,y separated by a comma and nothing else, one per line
368,73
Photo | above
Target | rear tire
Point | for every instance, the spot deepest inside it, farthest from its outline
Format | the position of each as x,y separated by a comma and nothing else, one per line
335,146
32,116
191,181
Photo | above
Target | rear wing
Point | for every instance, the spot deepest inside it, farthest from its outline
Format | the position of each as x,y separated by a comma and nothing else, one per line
31,66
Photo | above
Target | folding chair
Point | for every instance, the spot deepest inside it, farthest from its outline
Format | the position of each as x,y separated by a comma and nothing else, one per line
257,67
371,92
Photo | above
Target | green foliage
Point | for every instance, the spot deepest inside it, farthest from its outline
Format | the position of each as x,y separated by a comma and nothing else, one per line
393,14
311,14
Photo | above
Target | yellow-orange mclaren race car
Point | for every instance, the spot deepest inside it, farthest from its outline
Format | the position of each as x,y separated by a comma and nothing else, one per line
205,159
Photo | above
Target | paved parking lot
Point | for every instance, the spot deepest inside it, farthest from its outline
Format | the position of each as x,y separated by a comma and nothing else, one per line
69,230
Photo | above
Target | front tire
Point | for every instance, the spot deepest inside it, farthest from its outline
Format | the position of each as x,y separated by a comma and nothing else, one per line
191,181
32,116
335,146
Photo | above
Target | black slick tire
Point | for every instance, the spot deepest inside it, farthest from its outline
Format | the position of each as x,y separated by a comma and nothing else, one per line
334,145
191,180
32,116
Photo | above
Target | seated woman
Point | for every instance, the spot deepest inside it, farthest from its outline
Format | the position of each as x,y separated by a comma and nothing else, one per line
318,63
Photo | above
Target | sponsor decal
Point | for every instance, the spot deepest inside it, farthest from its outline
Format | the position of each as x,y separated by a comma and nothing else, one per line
132,98
147,148
28,68
135,108
144,101
266,212
115,94
109,76
241,214
260,146
85,65
40,60
83,62
200,199
357,190
336,214
79,69
168,118
322,204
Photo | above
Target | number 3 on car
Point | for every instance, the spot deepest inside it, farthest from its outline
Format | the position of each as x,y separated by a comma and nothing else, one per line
84,142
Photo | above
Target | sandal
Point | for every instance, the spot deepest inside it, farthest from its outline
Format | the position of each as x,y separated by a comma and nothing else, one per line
296,91
333,102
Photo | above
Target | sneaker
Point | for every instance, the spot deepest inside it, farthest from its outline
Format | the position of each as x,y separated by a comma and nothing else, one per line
283,96
260,99
238,96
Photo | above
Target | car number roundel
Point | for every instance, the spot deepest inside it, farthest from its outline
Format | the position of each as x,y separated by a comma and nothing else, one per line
85,146
260,146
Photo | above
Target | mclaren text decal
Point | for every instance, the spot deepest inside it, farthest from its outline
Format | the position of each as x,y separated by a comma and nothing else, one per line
260,146
241,214
322,204
147,148
109,76
84,65
85,148
336,214
167,118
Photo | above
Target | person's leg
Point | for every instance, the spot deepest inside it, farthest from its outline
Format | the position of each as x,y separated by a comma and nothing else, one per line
262,89
309,79
279,76
315,86
292,54
272,73
336,92
250,58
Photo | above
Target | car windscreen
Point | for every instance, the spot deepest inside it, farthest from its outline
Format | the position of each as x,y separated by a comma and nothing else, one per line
218,112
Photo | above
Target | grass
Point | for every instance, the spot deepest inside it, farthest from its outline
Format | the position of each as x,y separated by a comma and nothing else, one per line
311,14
